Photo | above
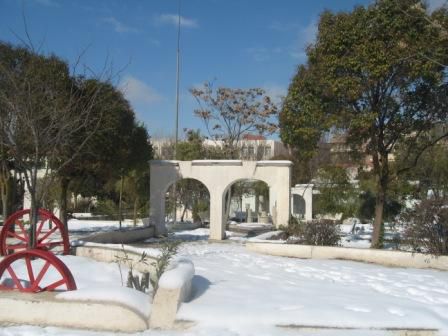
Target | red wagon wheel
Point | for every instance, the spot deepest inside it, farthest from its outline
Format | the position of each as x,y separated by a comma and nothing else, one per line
50,233
34,271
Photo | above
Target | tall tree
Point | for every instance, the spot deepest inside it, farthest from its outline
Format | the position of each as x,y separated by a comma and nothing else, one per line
378,74
43,109
119,146
229,113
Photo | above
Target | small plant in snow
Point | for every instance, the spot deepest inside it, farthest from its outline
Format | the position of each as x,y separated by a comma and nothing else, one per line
426,226
316,232
133,281
168,251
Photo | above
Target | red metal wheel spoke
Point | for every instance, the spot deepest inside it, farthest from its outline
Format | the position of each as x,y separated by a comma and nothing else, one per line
39,229
15,235
44,237
29,268
47,234
17,246
15,279
36,277
20,224
54,285
41,275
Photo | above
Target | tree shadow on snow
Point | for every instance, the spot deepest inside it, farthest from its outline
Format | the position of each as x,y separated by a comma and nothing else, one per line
199,286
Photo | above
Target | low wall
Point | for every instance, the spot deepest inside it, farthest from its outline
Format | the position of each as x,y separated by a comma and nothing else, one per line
124,236
105,253
174,284
382,257
44,309
174,288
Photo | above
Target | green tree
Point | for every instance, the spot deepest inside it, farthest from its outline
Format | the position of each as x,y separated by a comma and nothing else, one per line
42,109
119,146
336,193
377,74
430,176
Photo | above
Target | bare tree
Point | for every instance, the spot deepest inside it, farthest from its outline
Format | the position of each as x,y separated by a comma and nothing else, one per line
43,109
228,113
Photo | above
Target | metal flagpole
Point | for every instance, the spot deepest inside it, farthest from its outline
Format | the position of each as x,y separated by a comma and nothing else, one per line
176,139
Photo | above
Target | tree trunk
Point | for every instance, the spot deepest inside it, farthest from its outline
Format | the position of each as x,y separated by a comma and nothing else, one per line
120,203
33,221
228,202
135,210
4,190
4,196
378,221
63,202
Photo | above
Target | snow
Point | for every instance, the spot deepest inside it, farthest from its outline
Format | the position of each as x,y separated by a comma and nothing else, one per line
237,292
138,301
180,272
94,281
247,290
96,225
150,252
267,238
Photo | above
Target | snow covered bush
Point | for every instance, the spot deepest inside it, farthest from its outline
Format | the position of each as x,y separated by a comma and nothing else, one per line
426,226
316,232
168,251
138,282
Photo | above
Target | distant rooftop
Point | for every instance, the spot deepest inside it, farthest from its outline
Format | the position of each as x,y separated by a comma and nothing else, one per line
253,137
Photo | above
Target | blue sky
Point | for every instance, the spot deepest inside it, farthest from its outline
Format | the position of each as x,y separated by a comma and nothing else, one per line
236,43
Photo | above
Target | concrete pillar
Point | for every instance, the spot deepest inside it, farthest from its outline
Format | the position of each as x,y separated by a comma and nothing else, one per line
308,196
306,192
273,205
157,202
217,218
283,208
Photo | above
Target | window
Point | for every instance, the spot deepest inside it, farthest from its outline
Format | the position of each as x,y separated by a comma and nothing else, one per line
251,151
267,152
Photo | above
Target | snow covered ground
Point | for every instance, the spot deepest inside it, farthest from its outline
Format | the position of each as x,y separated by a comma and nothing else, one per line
243,290
238,292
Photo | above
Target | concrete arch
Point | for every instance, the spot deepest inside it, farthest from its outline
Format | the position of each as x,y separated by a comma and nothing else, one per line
217,176
302,201
256,205
185,179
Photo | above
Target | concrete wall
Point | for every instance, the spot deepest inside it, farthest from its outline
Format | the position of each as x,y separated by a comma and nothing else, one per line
381,257
218,176
44,309
175,284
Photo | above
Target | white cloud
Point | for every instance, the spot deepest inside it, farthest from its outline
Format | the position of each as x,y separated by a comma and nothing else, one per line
306,36
434,4
276,92
138,92
173,19
118,26
309,33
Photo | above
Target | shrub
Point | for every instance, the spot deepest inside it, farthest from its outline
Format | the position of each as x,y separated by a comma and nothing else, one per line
320,232
168,251
133,281
426,226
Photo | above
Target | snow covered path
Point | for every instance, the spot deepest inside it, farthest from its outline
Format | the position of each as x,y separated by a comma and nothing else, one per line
240,293
240,289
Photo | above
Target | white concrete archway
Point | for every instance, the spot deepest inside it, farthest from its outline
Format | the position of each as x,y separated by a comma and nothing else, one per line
302,201
218,176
